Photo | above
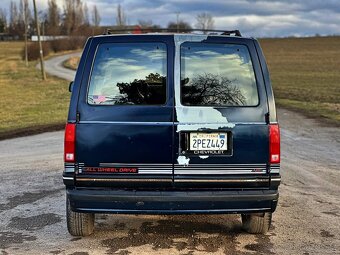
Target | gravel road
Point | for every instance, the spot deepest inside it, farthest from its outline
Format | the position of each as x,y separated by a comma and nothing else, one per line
307,220
54,66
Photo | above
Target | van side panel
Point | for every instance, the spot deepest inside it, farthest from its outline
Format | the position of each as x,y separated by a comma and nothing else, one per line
77,82
267,83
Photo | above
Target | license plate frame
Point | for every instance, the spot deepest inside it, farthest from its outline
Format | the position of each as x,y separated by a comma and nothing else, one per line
186,148
199,141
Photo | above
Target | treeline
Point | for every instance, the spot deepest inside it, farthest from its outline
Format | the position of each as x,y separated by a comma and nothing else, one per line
75,18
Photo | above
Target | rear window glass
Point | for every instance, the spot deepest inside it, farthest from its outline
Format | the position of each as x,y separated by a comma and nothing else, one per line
217,74
128,74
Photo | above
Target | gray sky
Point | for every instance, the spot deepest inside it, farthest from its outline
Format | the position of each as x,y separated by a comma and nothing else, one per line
259,18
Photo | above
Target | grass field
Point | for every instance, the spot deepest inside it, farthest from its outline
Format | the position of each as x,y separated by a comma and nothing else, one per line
28,105
305,73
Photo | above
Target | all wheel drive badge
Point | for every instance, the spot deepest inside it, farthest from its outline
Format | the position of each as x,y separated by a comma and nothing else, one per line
120,170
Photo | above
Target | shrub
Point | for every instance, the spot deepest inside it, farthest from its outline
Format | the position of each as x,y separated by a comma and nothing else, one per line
58,45
72,43
33,50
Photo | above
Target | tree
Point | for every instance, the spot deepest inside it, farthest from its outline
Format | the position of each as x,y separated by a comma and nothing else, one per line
13,18
120,18
204,21
73,16
182,25
95,16
53,18
148,25
86,15
3,21
211,89
150,90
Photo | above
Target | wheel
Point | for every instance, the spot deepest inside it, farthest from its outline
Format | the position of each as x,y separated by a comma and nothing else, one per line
256,224
79,224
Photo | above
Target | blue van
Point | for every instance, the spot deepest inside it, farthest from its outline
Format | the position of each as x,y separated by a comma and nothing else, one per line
171,124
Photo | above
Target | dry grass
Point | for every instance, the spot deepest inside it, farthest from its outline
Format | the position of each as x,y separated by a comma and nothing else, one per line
305,73
28,104
72,63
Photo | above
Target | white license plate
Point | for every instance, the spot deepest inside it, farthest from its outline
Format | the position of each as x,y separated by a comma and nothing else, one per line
208,141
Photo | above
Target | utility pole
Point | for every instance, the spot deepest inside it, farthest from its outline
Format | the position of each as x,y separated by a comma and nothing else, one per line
177,15
40,46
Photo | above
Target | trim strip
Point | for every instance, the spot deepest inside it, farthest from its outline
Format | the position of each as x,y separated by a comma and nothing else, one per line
126,122
68,178
209,171
83,179
221,180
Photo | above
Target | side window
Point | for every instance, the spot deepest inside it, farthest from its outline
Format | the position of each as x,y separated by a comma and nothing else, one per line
128,74
217,75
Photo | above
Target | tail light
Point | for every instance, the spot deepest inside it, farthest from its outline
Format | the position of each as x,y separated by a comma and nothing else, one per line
70,142
274,144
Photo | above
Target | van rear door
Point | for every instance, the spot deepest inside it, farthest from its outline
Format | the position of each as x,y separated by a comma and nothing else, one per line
221,133
124,132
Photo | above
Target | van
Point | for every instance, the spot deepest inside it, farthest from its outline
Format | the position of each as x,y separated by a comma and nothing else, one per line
172,123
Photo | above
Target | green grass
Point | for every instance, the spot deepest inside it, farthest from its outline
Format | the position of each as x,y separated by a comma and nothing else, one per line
28,104
305,74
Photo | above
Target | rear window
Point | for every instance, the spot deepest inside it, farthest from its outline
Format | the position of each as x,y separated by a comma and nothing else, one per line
128,74
217,75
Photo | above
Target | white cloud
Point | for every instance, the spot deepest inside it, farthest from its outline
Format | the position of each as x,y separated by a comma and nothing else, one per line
253,17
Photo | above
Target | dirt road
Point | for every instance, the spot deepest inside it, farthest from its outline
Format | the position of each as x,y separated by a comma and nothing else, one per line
307,220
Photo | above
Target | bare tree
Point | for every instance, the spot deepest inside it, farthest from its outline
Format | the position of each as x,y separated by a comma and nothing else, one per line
211,89
145,23
204,21
95,16
3,20
73,16
86,15
148,24
181,25
13,18
120,18
53,18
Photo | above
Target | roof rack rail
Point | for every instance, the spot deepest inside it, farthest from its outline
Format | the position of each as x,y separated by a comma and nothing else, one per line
139,30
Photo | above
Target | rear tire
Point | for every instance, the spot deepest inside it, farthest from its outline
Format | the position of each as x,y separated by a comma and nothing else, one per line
256,224
79,224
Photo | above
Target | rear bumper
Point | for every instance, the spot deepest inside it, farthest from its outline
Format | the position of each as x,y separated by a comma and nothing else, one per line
171,202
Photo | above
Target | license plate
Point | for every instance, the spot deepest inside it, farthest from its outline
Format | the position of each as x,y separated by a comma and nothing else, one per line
208,141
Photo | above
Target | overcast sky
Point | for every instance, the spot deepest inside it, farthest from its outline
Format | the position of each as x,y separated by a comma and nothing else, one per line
259,18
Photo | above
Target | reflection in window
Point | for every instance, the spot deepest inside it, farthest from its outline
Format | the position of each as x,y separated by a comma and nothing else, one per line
217,74
129,73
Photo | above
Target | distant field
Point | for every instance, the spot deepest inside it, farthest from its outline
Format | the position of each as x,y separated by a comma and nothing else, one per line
305,73
28,105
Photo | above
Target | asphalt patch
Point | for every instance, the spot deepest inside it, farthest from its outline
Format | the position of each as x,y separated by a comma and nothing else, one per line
26,198
325,233
34,222
164,234
9,238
